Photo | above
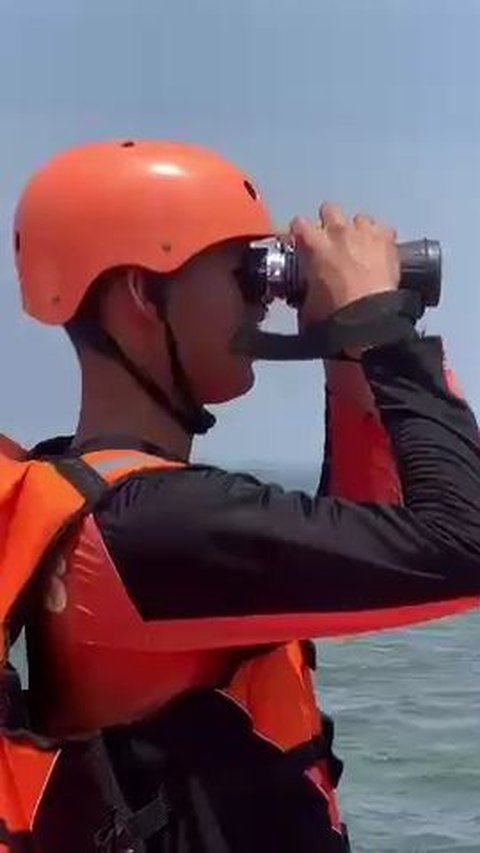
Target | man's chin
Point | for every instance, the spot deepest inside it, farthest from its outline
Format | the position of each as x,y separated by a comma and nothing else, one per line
234,386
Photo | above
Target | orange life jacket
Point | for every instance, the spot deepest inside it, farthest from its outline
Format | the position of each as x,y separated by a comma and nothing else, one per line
273,690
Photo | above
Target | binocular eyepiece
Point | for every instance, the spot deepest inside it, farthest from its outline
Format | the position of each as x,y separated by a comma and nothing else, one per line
270,270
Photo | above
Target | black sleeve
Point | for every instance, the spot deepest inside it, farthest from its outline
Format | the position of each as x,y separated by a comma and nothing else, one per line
201,543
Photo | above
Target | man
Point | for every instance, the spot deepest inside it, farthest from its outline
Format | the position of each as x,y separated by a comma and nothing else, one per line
170,620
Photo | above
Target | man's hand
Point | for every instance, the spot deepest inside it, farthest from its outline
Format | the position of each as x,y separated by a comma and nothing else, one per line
343,261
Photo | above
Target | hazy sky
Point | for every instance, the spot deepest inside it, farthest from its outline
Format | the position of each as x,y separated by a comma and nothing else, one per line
374,103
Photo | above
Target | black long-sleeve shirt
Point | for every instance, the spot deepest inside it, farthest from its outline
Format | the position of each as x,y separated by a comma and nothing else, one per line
249,562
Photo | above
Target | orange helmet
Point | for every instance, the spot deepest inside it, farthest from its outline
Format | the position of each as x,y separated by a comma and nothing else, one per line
134,203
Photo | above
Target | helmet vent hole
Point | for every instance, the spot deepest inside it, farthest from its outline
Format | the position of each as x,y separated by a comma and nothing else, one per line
128,144
250,190
17,241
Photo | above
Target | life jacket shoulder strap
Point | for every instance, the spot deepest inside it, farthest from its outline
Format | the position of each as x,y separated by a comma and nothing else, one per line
93,473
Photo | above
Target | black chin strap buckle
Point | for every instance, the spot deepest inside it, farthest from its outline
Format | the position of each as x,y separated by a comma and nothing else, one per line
203,422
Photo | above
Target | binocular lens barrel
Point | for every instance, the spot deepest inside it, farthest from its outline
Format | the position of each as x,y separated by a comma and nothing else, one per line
271,271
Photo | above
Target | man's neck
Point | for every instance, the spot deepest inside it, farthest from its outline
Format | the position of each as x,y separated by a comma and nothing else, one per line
176,446
121,408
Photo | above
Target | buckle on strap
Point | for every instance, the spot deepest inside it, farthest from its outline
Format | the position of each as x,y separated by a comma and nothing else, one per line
150,819
304,756
123,831
113,835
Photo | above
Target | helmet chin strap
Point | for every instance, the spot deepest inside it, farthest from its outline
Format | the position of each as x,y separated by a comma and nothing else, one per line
194,419
200,419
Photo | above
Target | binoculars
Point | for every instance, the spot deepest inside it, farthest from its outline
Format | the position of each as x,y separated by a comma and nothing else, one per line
270,270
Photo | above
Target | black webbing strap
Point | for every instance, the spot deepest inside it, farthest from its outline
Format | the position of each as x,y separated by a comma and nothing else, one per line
319,748
150,819
208,828
157,816
373,321
83,477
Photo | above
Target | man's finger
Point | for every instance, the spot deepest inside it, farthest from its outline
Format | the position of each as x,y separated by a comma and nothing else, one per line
305,232
391,233
332,216
363,220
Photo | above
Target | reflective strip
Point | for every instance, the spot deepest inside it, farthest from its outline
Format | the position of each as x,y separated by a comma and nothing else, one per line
54,759
127,460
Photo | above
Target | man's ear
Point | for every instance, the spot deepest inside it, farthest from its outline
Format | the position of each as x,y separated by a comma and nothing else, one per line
140,293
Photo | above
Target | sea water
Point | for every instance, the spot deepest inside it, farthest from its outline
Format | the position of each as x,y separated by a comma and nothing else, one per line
407,710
